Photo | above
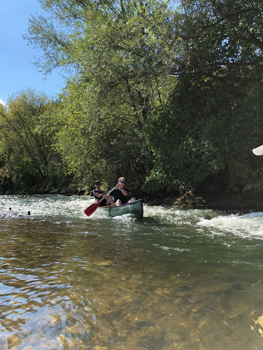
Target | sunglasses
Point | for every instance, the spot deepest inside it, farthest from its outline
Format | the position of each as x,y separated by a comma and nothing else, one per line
122,182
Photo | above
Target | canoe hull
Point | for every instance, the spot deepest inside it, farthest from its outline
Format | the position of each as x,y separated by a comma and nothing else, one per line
134,208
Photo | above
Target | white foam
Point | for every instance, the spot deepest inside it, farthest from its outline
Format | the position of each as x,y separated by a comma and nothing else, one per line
177,216
44,206
242,225
63,208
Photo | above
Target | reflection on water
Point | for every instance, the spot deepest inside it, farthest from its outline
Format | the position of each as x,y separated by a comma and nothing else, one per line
176,280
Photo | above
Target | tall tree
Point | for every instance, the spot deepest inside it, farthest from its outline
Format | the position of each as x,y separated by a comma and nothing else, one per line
212,118
219,34
117,46
27,133
116,51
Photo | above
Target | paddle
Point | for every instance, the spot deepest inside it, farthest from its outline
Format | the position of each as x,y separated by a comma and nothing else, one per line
258,151
90,210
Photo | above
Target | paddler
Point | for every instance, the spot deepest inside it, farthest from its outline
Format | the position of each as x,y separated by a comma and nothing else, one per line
120,193
98,194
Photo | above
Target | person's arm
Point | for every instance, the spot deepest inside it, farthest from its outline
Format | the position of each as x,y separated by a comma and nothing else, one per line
124,192
98,195
105,195
102,194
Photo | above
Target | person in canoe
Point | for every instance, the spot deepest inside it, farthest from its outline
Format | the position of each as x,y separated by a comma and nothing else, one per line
98,194
120,193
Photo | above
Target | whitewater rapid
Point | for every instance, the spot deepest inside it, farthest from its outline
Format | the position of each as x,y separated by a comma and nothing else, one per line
71,208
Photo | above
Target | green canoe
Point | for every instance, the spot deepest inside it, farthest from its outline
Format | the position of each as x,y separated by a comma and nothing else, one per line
134,208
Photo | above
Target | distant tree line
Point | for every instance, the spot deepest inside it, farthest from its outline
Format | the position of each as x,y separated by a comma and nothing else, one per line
165,93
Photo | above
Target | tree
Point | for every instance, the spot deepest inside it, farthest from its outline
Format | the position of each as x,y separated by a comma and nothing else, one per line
219,34
175,78
98,141
212,118
116,50
27,134
117,47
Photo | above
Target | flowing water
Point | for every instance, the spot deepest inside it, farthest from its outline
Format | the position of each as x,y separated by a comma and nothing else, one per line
179,279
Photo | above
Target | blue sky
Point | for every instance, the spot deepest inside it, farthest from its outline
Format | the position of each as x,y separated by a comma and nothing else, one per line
17,71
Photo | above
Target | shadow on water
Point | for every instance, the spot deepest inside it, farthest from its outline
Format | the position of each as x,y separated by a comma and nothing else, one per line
163,283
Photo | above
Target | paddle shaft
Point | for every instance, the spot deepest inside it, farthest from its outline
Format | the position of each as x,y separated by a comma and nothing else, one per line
108,193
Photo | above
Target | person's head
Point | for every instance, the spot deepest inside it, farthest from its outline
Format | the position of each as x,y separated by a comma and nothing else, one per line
121,181
97,183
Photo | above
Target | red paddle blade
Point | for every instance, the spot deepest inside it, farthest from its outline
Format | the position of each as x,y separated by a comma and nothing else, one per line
91,209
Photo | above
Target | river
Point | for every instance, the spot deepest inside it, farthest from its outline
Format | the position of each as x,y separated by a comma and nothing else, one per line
182,279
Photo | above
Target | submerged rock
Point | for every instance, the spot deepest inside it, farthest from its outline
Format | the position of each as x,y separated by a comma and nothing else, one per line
239,302
12,341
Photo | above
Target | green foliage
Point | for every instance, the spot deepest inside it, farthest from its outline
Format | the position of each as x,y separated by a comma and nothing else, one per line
99,141
161,92
212,119
210,125
117,50
27,135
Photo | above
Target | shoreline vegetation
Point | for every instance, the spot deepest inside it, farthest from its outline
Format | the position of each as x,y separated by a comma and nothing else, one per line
169,96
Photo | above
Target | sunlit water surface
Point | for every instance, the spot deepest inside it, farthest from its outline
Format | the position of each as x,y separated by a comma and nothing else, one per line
178,279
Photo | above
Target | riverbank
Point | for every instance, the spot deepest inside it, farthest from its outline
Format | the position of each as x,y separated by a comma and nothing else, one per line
244,200
212,201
